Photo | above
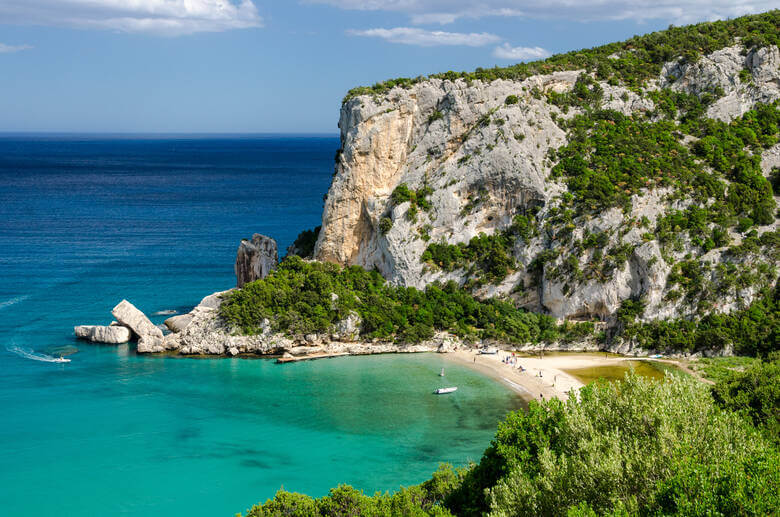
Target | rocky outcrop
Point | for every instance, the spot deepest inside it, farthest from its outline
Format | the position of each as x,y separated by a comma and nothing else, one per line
111,334
178,323
255,259
129,316
442,134
720,72
486,158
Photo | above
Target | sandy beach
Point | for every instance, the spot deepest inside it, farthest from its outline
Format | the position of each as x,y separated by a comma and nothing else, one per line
539,377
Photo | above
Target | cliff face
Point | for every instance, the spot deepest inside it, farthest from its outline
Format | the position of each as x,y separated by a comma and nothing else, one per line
255,259
480,154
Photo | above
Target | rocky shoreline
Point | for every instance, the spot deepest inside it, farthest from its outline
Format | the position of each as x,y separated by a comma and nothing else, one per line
201,332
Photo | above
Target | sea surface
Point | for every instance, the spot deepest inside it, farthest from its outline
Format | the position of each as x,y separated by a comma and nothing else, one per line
86,221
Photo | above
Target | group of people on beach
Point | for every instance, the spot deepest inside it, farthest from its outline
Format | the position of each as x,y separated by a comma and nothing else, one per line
512,361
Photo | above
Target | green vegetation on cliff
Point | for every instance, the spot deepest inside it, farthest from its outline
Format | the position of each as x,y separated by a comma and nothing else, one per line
640,447
304,243
630,63
311,297
751,331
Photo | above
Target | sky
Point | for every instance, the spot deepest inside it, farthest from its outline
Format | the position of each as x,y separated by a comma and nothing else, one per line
278,66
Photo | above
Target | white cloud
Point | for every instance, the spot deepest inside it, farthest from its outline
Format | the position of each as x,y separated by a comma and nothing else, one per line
165,17
448,11
520,53
423,38
10,49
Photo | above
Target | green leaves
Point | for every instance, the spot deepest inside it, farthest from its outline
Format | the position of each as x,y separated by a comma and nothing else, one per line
637,447
631,62
298,299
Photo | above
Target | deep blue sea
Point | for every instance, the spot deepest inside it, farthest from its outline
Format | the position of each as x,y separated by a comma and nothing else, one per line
86,221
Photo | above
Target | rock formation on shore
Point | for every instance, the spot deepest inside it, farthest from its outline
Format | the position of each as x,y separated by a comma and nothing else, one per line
111,334
638,188
255,259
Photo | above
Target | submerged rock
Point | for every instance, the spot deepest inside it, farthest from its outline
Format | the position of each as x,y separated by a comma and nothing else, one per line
255,259
129,316
112,334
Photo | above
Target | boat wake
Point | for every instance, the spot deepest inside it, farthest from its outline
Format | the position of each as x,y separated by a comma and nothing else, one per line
28,353
13,301
166,312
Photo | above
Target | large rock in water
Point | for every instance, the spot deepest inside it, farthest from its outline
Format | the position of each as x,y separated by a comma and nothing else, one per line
255,259
127,314
113,334
178,323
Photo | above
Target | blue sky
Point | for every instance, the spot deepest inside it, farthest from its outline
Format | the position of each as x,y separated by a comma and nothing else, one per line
276,65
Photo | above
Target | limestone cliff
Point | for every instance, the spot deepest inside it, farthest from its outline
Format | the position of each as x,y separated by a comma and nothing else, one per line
481,153
255,259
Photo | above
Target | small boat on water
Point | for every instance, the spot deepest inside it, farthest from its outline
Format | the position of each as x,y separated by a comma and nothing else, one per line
60,360
442,373
442,391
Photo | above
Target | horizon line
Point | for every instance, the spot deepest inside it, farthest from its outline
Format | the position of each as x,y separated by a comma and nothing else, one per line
194,134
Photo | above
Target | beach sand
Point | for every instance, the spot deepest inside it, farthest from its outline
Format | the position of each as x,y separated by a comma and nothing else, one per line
553,382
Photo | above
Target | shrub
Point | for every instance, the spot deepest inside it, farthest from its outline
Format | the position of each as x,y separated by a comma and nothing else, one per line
304,243
642,447
297,300
401,194
755,394
385,224
511,99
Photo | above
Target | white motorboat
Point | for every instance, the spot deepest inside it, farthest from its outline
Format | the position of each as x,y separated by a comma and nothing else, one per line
442,373
61,360
442,391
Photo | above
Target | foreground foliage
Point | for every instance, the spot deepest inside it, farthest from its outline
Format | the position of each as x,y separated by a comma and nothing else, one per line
311,297
639,447
754,393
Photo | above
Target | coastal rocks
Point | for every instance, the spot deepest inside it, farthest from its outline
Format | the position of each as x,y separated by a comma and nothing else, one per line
111,334
155,345
347,329
129,316
178,323
255,259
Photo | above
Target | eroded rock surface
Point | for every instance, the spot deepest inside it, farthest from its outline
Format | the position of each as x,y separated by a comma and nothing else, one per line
128,315
486,159
255,259
111,334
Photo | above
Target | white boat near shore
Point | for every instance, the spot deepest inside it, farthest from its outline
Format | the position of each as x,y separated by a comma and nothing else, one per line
442,391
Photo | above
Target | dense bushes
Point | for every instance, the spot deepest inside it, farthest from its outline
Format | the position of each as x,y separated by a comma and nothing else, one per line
755,394
488,258
631,62
640,447
751,331
304,243
610,157
343,501
310,297
488,255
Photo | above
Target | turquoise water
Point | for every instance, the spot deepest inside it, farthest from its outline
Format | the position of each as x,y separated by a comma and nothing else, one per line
85,222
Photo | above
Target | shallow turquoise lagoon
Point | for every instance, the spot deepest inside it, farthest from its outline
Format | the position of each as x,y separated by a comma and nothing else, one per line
87,221
113,432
